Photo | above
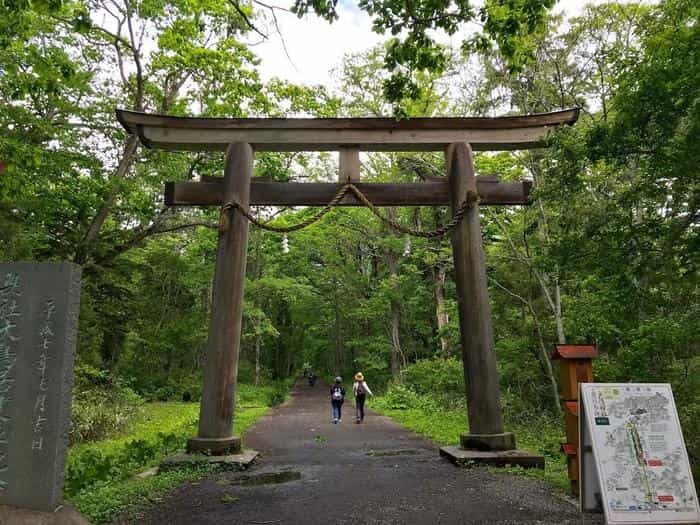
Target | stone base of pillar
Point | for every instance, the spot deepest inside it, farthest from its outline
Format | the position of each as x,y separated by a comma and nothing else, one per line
231,462
214,446
64,515
494,458
487,442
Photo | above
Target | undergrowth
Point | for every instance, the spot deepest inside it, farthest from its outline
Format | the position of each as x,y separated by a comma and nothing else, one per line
427,415
99,474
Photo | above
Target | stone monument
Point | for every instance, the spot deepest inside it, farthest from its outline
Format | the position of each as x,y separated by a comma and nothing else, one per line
39,307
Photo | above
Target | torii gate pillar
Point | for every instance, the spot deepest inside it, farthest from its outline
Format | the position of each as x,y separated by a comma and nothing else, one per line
486,442
215,435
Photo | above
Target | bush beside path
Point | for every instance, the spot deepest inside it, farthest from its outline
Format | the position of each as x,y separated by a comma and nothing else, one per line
101,477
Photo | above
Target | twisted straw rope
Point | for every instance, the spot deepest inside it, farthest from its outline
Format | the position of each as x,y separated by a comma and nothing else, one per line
470,199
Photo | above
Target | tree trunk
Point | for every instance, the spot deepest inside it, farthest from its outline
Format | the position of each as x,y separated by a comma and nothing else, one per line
392,262
257,271
98,220
441,315
561,335
395,339
555,302
338,340
546,361
257,360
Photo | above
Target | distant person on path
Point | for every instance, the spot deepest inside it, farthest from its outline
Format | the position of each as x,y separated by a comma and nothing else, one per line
311,378
360,389
337,398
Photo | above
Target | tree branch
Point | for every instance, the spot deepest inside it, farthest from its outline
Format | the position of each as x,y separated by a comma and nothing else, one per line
246,19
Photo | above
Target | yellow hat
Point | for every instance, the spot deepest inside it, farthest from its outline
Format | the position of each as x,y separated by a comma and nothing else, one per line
359,377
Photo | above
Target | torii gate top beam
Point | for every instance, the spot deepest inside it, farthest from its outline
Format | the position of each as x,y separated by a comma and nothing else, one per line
367,134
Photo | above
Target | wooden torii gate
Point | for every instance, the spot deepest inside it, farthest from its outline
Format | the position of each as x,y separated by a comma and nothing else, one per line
457,137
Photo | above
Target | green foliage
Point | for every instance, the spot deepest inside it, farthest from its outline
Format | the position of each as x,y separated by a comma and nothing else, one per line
427,416
125,498
97,473
511,25
102,406
440,379
163,430
400,397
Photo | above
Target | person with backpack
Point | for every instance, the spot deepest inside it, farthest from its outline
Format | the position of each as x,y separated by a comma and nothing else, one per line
360,389
337,398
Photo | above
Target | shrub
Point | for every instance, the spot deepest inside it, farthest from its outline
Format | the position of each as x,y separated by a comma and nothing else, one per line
277,397
184,388
101,405
441,379
246,372
270,395
162,429
399,397
93,465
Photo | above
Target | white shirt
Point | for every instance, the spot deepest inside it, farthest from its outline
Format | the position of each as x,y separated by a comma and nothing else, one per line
356,384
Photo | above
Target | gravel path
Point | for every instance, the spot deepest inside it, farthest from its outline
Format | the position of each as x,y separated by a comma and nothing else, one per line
374,473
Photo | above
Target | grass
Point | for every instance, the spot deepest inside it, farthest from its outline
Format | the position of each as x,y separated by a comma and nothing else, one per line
99,479
443,426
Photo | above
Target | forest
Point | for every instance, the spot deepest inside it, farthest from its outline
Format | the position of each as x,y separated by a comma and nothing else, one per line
607,253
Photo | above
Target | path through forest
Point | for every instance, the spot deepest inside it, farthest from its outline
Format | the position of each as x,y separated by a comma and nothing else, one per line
373,473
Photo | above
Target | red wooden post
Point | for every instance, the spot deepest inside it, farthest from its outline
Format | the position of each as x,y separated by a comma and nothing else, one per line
576,366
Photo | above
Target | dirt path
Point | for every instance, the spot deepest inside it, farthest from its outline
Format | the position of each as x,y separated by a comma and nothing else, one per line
374,473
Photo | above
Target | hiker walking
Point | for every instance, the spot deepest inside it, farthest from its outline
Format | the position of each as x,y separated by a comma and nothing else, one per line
337,398
360,389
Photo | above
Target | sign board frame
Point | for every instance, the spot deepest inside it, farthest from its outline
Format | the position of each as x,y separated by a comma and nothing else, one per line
595,494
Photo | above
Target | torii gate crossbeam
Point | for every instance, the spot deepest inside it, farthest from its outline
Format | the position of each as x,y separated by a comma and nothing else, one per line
487,441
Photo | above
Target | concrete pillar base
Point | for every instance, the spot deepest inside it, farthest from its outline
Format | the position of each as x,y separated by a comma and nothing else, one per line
495,458
486,442
232,462
214,446
64,515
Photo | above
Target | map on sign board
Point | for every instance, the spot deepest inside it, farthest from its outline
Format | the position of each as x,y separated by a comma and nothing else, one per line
642,467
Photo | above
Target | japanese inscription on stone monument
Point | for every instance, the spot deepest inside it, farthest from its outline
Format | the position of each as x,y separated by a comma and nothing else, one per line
39,306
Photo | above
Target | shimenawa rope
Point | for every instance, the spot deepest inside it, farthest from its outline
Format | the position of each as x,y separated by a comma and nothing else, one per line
470,199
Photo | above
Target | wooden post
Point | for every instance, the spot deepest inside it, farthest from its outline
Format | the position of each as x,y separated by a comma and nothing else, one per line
478,353
349,164
575,366
221,362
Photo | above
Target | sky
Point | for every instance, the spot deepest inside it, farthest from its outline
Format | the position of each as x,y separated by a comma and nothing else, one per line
315,47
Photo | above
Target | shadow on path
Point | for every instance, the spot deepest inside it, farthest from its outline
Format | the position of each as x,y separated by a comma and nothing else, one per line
314,472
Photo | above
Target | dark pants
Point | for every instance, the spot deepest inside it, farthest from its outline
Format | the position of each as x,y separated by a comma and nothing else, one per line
360,406
337,407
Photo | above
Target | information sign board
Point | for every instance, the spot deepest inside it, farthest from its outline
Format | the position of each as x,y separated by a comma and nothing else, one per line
633,460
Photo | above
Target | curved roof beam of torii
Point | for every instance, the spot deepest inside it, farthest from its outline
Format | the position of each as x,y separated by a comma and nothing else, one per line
367,134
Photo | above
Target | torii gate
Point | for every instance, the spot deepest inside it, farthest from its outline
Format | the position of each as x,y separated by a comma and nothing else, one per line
240,138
